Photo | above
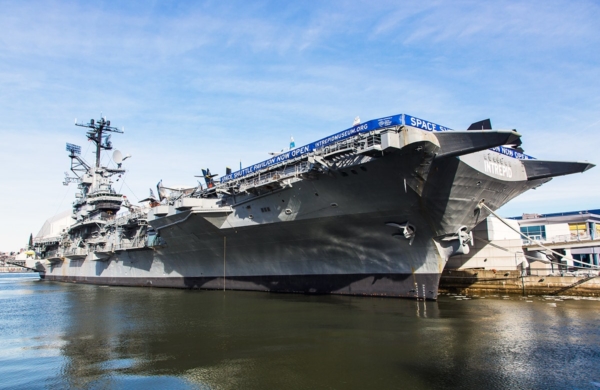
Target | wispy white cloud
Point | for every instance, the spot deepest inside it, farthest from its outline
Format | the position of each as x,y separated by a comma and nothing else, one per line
549,23
205,84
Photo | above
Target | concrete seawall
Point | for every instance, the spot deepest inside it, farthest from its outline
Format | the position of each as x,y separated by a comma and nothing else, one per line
489,281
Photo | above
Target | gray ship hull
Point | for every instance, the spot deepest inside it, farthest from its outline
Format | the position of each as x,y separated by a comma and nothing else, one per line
382,220
347,248
345,255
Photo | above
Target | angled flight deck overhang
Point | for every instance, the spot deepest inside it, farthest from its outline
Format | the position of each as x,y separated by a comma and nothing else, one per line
457,143
543,169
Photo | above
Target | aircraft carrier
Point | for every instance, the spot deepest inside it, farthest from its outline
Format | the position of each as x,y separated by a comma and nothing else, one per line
376,209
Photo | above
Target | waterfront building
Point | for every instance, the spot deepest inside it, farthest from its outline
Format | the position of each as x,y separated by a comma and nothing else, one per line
575,234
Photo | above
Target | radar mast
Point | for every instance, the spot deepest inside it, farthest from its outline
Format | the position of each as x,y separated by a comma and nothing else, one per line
97,198
96,134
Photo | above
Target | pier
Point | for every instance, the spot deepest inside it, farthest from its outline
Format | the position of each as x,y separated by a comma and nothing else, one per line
537,254
578,283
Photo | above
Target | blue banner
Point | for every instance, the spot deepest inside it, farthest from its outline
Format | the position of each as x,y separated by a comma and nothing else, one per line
371,125
511,153
423,124
297,152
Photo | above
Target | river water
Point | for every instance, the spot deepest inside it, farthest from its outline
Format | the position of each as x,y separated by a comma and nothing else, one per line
55,335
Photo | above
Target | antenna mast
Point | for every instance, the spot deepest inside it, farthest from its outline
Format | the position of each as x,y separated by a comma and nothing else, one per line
95,134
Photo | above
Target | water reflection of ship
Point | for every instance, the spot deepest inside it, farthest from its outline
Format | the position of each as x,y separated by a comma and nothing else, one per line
113,337
376,209
224,340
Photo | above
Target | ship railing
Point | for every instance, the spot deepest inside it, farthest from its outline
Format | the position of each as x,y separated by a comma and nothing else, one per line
101,247
98,240
75,251
97,219
357,144
348,145
131,245
49,240
278,175
105,198
104,192
122,219
369,142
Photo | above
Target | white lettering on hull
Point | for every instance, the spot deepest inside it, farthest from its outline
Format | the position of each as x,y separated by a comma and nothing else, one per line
497,169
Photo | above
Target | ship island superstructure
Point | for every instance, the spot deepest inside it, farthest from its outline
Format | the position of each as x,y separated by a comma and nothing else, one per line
376,209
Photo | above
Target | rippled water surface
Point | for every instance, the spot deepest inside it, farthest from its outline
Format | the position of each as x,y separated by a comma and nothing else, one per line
56,335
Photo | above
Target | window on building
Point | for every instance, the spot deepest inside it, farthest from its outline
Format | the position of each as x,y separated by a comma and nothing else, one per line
578,230
534,232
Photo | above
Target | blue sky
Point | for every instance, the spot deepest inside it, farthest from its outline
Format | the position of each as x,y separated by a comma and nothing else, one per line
205,84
